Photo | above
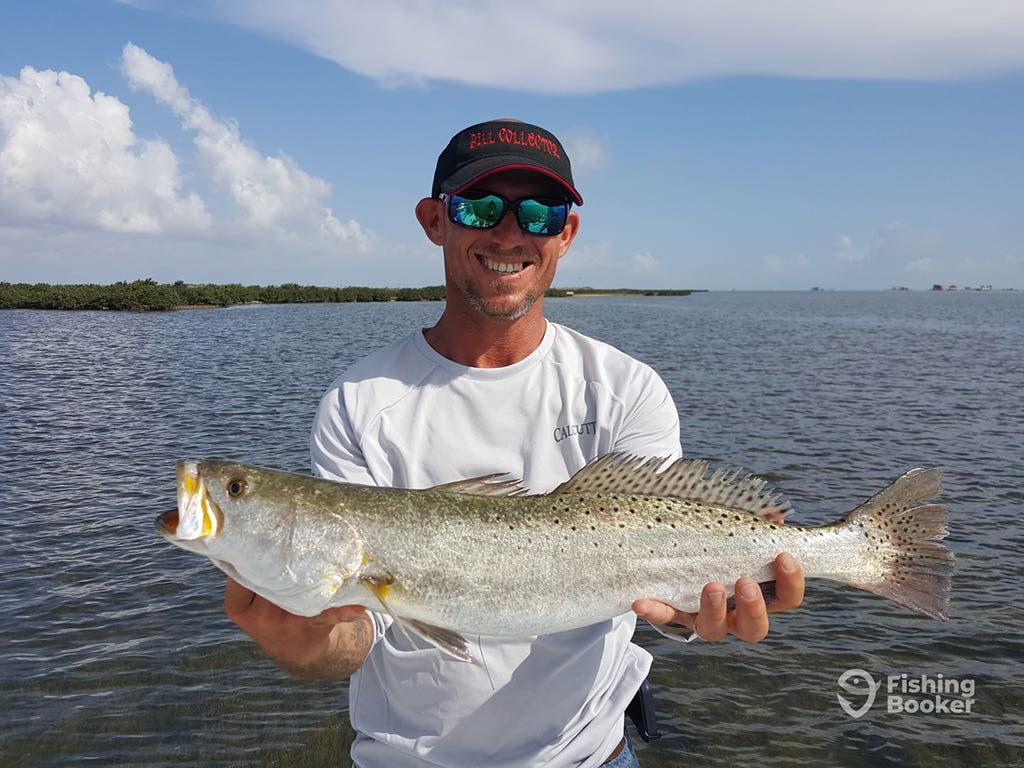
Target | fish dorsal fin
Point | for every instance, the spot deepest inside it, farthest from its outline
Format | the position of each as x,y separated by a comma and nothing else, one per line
682,479
485,485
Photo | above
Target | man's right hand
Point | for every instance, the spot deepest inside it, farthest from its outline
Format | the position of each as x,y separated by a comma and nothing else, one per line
329,646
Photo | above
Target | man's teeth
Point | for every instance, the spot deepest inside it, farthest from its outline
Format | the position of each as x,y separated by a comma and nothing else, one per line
497,266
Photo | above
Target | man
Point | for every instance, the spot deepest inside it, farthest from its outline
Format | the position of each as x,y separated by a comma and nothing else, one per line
493,387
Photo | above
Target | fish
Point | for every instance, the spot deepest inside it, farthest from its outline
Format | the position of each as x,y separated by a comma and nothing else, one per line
484,556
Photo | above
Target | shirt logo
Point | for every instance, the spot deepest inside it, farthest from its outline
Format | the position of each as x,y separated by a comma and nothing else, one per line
574,430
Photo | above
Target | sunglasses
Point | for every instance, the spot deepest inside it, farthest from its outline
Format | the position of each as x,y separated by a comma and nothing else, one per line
543,216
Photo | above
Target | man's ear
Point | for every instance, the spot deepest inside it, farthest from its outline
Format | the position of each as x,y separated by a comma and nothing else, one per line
567,235
430,215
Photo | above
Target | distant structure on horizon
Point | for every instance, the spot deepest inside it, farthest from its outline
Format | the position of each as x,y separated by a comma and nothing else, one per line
986,287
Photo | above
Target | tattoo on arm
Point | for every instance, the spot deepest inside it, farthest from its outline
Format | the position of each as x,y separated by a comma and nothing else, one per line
350,645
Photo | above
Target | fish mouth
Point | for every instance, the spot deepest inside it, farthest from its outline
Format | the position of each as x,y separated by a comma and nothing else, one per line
198,516
167,523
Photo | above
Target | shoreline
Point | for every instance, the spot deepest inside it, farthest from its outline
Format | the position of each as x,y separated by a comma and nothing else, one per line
149,296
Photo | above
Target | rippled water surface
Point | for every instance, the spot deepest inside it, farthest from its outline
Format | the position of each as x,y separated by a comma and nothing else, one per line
114,648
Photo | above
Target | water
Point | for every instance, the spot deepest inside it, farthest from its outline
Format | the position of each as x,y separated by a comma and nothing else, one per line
115,649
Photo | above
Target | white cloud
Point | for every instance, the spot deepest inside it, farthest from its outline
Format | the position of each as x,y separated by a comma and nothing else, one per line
273,195
587,151
71,156
847,252
594,45
644,262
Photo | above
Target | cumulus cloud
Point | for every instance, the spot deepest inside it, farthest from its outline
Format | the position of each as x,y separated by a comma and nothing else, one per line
273,195
592,45
70,155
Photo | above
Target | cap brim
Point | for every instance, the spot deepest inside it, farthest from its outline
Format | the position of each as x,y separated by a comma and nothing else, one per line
469,175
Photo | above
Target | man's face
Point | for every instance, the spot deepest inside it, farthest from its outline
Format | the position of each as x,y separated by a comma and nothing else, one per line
477,260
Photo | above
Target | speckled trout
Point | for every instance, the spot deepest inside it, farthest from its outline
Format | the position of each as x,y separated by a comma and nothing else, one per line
481,556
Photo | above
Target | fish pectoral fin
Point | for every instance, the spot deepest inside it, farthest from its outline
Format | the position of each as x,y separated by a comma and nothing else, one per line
379,587
447,640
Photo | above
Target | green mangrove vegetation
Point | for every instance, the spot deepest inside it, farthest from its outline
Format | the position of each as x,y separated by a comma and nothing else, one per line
149,295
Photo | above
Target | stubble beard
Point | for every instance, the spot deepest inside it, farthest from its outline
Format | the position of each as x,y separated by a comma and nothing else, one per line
477,302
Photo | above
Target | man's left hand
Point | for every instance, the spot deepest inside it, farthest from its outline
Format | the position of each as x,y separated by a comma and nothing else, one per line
749,620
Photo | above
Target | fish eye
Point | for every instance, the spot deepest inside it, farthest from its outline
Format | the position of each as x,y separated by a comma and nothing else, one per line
236,487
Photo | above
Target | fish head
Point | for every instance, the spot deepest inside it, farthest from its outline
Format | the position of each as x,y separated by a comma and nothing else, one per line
197,516
265,529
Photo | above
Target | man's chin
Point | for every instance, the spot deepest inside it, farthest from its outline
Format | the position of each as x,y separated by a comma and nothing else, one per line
502,307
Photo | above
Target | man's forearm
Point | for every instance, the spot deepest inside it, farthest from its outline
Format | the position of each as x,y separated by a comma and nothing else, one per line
348,645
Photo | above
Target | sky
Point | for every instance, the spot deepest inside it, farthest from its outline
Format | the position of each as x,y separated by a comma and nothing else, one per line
729,145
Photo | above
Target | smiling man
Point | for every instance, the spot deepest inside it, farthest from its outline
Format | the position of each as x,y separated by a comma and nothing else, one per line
494,387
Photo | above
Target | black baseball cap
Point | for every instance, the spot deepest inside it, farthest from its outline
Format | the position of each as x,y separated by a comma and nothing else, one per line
498,145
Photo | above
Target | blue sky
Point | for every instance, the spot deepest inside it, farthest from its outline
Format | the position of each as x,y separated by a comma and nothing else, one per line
728,145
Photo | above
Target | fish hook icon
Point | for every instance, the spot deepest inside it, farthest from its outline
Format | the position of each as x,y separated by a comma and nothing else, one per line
858,678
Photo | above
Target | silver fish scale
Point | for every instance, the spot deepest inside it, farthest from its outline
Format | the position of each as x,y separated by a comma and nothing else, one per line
546,563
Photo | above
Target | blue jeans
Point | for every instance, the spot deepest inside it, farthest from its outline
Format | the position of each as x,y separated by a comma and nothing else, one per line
626,758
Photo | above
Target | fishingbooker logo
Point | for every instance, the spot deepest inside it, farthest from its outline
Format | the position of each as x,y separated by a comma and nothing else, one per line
575,430
922,694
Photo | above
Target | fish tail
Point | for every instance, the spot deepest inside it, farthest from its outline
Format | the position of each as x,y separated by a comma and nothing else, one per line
911,567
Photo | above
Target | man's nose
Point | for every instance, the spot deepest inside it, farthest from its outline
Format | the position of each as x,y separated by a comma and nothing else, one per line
507,232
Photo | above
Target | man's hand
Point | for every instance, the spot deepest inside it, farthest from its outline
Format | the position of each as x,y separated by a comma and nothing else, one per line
331,645
749,621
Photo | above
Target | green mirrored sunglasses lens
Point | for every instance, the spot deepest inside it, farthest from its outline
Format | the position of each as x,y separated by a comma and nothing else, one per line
479,213
539,218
